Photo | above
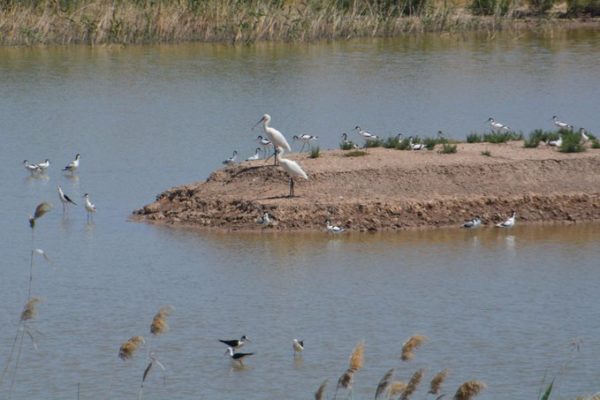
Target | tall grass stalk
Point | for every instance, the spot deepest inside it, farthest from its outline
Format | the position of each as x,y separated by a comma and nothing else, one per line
127,22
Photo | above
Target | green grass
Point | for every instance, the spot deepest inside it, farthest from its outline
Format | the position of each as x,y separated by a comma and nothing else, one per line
486,153
355,153
430,143
315,152
404,144
391,142
347,145
374,143
595,144
474,138
571,142
501,137
448,148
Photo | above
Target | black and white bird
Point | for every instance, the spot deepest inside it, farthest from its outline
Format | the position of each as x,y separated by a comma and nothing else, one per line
235,343
231,160
73,165
305,139
43,166
64,199
265,144
509,223
256,155
561,124
31,168
555,143
239,357
473,223
497,126
90,207
333,228
264,220
415,146
298,346
583,134
366,135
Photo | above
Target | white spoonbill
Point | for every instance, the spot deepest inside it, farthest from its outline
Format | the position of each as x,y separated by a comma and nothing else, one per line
276,137
561,124
509,223
292,168
497,126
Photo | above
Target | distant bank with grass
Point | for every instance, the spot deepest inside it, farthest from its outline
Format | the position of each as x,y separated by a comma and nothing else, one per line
30,22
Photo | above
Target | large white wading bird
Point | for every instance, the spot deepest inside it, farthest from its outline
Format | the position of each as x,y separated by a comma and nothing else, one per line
292,168
276,137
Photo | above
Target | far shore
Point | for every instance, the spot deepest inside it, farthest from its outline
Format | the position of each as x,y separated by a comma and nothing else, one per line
98,22
390,189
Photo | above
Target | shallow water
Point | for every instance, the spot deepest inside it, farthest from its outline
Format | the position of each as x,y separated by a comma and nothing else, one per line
500,306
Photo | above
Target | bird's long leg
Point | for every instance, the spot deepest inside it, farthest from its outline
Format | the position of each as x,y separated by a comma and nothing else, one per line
274,154
291,187
303,144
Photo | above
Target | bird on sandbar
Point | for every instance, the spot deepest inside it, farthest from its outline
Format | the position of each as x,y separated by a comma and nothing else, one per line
497,126
583,134
509,223
473,223
239,357
235,343
277,139
264,220
366,135
292,168
265,143
256,155
333,228
231,160
305,139
561,124
415,146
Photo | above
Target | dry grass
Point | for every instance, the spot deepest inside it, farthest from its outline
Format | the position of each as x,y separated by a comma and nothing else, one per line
469,389
159,322
40,210
413,384
128,22
397,388
30,311
129,347
320,393
436,382
384,383
356,359
410,346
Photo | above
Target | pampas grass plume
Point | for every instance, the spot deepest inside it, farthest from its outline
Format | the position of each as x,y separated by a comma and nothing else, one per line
319,394
29,311
413,384
469,389
129,347
384,383
356,359
396,388
436,382
159,322
410,345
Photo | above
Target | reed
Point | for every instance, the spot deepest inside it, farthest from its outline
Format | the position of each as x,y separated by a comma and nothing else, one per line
469,389
436,383
320,393
412,385
384,383
128,348
128,21
474,138
396,389
29,311
413,343
159,322
355,364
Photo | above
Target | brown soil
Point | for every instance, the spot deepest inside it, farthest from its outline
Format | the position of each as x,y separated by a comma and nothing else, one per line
391,189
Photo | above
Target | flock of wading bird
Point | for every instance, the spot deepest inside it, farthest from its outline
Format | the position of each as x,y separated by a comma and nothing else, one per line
277,140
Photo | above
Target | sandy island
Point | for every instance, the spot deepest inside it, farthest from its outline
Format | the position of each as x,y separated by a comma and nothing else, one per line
391,190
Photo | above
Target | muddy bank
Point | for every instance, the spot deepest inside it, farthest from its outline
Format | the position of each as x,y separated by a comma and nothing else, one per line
391,190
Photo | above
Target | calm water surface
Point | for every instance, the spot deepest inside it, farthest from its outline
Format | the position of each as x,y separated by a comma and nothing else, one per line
500,306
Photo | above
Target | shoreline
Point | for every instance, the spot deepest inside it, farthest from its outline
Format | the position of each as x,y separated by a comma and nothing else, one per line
391,190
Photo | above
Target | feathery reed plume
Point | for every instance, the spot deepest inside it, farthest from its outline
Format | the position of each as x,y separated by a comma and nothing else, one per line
40,210
412,384
159,322
384,383
410,345
396,388
129,347
319,394
356,359
29,311
436,382
469,389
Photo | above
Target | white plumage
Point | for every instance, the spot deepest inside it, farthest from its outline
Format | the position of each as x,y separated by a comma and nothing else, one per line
561,124
276,137
509,223
73,165
292,168
256,155
333,228
497,126
89,206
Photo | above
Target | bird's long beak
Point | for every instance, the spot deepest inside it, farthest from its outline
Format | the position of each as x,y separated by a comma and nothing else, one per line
258,123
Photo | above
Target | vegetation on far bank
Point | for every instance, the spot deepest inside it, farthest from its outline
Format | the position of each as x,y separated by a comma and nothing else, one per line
27,22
